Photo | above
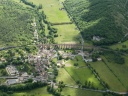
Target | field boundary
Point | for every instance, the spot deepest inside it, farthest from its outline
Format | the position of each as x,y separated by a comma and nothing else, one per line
62,23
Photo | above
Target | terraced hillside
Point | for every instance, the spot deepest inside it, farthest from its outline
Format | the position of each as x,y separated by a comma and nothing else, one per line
102,21
15,24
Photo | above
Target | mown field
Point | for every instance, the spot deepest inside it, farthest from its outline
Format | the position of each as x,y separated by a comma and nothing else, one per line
79,92
120,71
35,92
66,91
65,77
108,76
81,73
51,9
67,33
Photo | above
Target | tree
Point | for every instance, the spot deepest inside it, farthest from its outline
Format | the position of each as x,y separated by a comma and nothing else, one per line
75,64
4,73
40,6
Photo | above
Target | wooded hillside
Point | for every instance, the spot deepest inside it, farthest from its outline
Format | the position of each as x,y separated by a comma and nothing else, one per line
15,23
105,19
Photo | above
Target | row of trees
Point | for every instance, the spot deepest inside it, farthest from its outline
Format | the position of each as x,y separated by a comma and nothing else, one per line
28,3
105,85
22,87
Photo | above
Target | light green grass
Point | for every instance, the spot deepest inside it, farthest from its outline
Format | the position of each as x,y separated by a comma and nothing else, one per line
51,9
121,71
78,59
79,92
54,60
36,92
107,76
67,34
65,77
83,75
119,45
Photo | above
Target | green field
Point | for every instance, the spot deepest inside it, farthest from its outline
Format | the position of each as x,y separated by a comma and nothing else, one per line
121,71
82,75
51,9
67,34
65,77
119,45
78,59
35,92
81,72
107,76
78,92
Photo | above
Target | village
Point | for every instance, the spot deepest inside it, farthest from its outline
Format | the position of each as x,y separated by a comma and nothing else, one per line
45,67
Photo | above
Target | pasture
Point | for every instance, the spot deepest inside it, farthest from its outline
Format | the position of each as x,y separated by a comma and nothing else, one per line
81,72
36,92
65,77
67,34
79,92
107,76
119,45
121,71
52,10
82,75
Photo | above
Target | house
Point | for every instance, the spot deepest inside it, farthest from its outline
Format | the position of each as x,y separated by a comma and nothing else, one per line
11,70
25,74
97,38
88,60
12,81
99,59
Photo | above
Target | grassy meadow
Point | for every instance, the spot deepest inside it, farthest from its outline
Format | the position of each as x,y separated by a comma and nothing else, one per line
107,76
65,77
51,9
81,72
119,45
79,92
35,92
121,71
67,34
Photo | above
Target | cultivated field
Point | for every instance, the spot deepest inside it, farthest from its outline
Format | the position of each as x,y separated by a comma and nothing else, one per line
107,76
81,73
121,71
67,34
79,92
51,9
35,92
65,77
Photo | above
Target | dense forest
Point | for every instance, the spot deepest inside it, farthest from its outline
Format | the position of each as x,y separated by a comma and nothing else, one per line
105,19
15,23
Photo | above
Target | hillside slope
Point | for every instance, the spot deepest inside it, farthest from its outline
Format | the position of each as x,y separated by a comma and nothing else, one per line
102,21
15,24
